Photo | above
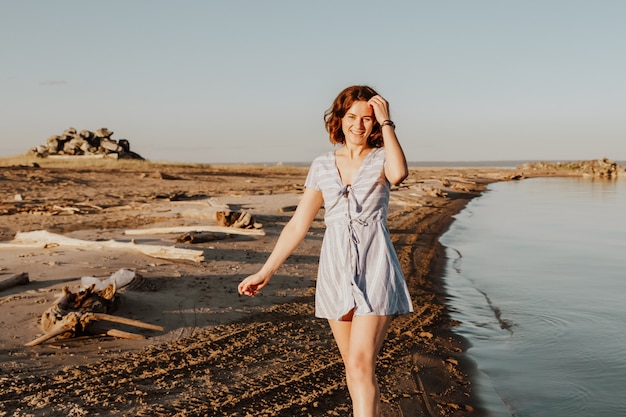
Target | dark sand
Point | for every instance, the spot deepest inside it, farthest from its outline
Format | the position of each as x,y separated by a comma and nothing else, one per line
220,354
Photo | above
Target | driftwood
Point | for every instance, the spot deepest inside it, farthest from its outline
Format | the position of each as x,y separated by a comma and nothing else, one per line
14,280
75,324
75,314
240,220
199,237
44,239
189,229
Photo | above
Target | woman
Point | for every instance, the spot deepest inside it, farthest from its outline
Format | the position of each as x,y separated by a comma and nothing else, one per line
360,286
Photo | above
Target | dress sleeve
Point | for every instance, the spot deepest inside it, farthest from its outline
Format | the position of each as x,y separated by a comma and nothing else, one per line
312,178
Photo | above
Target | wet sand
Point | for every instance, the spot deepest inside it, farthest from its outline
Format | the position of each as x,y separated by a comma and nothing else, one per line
220,354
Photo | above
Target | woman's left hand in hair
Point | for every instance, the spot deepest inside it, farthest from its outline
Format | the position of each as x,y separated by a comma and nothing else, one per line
380,107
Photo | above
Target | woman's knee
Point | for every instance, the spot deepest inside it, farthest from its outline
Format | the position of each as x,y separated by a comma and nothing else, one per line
359,366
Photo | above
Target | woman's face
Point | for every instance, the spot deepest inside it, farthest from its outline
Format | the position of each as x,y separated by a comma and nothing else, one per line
358,122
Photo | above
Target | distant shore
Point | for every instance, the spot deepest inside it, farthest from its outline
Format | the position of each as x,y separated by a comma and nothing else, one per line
485,163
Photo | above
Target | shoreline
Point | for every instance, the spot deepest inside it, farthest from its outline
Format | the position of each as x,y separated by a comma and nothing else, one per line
220,339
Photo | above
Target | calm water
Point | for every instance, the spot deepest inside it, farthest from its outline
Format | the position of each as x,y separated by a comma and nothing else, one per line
537,276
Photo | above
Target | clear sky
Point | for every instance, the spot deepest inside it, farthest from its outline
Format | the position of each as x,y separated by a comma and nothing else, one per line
248,81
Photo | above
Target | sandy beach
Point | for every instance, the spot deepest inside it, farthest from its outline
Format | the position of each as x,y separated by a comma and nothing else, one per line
219,354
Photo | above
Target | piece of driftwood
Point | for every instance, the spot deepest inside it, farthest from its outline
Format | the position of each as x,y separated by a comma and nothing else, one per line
122,334
76,314
75,324
88,300
14,280
200,237
189,229
44,239
237,219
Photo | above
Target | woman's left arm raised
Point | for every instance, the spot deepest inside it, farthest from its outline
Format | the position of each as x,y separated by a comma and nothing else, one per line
396,169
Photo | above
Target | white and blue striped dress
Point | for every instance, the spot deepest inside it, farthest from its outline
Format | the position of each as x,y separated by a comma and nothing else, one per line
358,267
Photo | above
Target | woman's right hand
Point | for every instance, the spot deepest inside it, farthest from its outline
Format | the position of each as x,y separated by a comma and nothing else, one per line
252,284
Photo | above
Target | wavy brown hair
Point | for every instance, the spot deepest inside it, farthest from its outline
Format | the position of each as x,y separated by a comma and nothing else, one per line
339,108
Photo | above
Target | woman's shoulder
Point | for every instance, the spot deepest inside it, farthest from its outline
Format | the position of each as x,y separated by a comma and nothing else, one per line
320,168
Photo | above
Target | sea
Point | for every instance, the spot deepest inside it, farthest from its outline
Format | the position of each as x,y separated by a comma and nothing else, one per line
536,276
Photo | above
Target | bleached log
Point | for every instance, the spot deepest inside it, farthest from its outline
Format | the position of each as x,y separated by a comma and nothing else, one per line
14,280
124,335
90,205
88,317
53,333
189,229
71,210
44,239
69,324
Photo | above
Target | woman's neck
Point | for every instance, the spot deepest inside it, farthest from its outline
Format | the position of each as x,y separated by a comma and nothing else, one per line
353,151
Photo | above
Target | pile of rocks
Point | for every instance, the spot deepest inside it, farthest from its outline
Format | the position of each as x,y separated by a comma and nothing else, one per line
86,142
603,168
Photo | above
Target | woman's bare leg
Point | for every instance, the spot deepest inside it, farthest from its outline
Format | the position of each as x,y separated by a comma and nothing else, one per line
359,342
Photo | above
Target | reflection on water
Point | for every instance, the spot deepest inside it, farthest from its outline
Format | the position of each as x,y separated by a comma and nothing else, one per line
537,276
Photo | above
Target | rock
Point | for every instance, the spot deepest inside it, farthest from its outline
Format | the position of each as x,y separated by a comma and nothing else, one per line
71,132
86,134
103,132
124,144
68,148
110,145
54,144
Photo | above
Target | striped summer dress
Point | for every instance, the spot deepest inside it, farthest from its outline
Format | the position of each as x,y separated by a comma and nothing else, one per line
358,267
